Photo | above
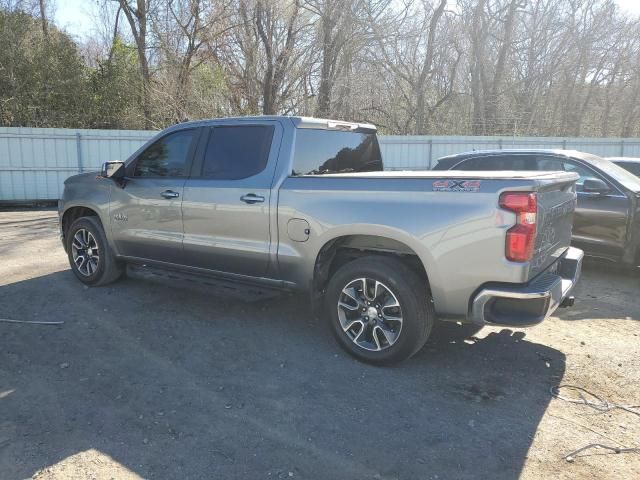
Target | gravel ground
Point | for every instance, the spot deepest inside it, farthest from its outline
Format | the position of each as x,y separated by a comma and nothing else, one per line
154,381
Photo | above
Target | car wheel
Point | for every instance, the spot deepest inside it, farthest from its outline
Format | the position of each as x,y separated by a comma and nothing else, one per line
379,309
91,259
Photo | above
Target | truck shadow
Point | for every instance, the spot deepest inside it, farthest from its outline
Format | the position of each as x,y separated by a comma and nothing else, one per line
174,384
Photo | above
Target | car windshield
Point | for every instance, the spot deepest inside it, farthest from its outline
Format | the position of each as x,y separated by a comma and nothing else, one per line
619,174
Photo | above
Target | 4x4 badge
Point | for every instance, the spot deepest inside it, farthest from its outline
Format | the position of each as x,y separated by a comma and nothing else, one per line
456,185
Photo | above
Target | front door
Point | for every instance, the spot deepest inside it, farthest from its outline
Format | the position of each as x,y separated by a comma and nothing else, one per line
146,211
600,220
226,205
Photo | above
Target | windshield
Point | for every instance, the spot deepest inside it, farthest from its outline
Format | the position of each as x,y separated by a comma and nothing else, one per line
619,174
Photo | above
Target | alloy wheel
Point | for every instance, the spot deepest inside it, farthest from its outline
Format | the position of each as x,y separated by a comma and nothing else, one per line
85,252
370,314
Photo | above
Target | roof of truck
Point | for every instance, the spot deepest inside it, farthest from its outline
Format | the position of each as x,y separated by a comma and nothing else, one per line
298,122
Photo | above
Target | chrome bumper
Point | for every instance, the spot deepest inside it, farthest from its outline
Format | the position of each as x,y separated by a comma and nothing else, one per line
528,304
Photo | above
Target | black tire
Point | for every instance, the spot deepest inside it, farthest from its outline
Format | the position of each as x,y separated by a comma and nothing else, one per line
454,331
415,307
107,269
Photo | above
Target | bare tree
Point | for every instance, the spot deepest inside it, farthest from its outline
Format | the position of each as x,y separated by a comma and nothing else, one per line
186,32
335,32
409,44
278,32
138,15
488,67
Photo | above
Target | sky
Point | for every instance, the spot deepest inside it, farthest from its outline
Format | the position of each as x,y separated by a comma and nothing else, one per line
76,16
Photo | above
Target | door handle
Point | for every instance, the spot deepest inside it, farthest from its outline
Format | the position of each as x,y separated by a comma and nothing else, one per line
169,194
252,198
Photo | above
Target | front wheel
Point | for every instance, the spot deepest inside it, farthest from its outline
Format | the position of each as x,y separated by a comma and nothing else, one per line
90,256
379,309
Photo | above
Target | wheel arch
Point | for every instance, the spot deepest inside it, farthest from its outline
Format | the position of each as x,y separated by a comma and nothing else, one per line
71,214
344,248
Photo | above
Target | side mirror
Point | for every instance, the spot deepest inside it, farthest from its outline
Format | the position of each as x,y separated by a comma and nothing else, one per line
114,170
595,185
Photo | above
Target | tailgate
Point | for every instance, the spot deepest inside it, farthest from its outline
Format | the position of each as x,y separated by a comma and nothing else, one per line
556,204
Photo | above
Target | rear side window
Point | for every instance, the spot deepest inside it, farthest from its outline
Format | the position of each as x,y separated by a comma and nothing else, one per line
502,162
319,152
237,152
168,157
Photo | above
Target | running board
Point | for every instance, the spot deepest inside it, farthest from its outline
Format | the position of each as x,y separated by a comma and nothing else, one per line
237,290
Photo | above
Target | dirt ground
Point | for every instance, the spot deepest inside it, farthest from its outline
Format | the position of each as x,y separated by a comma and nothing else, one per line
157,381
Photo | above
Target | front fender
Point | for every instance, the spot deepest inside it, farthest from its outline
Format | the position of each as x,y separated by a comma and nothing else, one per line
90,192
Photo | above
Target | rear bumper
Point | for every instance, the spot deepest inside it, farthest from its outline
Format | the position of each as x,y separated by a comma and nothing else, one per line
529,304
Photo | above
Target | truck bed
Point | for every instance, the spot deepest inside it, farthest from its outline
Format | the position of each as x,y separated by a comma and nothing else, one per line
451,220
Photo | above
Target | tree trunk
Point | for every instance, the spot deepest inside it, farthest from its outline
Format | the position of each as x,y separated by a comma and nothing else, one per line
137,19
43,18
493,98
324,90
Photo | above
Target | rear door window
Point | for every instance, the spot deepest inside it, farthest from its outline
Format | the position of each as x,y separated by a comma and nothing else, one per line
237,152
320,152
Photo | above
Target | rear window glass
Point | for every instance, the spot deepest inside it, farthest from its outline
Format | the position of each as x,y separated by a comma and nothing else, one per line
320,152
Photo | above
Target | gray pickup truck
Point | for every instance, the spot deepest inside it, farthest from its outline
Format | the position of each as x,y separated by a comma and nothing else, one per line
304,204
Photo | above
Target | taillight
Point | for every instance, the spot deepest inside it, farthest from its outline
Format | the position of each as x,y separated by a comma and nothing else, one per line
521,237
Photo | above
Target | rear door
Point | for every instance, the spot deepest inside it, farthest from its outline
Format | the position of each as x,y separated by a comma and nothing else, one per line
600,221
146,213
226,204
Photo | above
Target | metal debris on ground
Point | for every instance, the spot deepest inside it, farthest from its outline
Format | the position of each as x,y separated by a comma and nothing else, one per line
572,456
33,322
599,404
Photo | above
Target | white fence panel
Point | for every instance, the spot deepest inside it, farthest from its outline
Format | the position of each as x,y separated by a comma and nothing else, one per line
420,152
34,162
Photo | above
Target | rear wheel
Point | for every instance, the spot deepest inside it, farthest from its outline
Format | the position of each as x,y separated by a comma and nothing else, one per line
379,309
90,256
